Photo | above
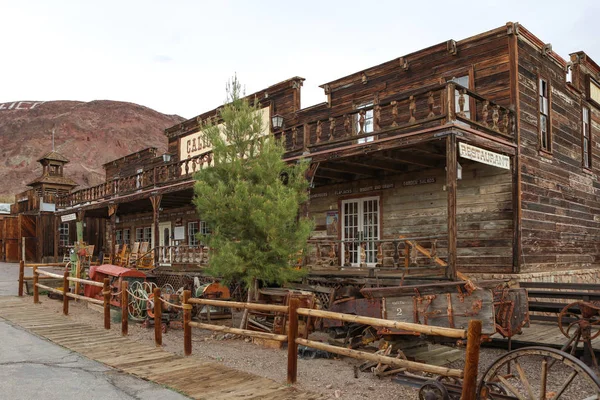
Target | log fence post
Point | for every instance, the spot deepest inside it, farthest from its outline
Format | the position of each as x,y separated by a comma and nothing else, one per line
124,309
65,292
106,292
157,317
36,290
21,277
292,371
469,388
187,329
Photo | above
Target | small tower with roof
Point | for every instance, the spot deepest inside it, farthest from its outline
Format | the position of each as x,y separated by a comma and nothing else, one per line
52,182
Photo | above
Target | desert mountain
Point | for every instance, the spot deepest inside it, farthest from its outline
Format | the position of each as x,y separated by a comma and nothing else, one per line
88,134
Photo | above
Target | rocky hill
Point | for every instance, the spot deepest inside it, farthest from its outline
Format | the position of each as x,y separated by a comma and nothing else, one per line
88,134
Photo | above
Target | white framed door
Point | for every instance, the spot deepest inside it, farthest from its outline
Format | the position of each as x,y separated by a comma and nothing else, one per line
164,233
360,226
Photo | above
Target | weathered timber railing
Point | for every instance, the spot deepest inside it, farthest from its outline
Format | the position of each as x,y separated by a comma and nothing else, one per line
416,108
153,177
23,278
293,311
402,253
183,254
106,292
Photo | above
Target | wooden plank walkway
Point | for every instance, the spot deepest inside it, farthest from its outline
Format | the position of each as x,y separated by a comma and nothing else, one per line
541,334
192,376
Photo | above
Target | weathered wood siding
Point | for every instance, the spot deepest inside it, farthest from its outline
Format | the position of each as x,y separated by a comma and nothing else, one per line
485,218
560,222
485,58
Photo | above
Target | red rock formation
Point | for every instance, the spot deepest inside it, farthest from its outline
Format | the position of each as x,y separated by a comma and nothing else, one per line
88,134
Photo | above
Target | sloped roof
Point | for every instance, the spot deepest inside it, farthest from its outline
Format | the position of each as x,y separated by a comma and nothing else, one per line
58,180
54,156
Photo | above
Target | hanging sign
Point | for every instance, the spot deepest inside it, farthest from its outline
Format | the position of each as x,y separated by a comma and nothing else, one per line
483,156
68,217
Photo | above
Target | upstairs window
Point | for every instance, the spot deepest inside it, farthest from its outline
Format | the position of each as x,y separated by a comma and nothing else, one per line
147,235
139,234
545,137
586,138
368,122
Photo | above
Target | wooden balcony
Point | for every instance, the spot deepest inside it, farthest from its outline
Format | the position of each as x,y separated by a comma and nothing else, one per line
425,107
162,175
437,105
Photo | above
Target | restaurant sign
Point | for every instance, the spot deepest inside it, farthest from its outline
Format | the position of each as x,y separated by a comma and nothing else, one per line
483,156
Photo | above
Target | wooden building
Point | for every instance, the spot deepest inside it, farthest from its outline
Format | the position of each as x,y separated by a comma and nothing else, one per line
476,156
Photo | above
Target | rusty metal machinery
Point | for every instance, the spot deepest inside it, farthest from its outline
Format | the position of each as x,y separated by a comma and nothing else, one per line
580,323
213,290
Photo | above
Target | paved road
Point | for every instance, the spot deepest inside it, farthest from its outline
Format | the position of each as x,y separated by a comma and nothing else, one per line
33,368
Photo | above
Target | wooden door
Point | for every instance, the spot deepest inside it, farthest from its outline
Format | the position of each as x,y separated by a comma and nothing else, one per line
11,239
28,227
360,226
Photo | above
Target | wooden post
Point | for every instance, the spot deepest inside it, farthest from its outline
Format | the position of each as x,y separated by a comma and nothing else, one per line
469,388
36,291
56,237
106,292
112,213
124,309
187,329
451,183
450,102
78,275
155,200
157,317
65,292
292,371
21,277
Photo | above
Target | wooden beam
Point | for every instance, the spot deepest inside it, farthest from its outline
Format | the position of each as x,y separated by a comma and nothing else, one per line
56,236
408,159
513,56
112,212
451,183
379,164
341,177
155,200
339,167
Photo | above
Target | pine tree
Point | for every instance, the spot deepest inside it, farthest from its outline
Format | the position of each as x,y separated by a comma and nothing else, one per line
250,198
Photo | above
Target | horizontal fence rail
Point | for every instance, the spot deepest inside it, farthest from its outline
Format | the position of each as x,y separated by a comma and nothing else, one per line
293,311
65,292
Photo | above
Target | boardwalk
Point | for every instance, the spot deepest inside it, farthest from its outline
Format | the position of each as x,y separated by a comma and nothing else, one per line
192,376
541,334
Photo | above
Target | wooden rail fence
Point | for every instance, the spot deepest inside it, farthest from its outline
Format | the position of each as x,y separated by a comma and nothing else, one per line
293,311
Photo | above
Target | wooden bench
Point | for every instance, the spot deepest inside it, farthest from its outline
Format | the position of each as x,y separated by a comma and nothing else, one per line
559,295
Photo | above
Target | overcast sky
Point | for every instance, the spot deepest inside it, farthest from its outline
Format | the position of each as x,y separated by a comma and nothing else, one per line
176,56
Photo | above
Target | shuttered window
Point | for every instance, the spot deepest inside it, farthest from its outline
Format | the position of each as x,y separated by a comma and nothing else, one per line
544,100
586,138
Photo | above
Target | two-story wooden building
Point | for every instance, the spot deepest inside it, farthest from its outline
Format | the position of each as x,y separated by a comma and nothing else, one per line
476,156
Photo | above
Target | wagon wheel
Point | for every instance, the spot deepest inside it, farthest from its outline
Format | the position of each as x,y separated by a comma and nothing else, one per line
535,378
433,390
588,316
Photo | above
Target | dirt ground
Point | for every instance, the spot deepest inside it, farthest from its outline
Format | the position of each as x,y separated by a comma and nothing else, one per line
333,378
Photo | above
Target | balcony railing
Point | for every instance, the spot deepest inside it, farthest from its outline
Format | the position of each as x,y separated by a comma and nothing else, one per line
437,104
411,256
416,109
183,254
154,177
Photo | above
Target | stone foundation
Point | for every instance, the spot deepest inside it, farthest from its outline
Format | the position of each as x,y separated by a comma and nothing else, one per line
591,275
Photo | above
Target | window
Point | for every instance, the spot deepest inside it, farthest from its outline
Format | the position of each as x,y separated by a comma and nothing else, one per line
586,144
194,228
464,82
139,234
368,122
127,236
119,236
147,235
192,231
63,235
545,138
